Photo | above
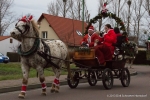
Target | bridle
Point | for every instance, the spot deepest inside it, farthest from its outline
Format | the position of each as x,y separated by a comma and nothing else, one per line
35,46
26,26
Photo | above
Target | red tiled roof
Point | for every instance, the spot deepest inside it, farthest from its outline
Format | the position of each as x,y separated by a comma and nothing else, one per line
3,37
65,28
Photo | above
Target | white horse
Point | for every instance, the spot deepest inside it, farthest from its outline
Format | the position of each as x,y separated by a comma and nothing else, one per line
131,51
26,31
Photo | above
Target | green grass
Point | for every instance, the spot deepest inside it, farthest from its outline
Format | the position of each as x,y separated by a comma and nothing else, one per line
12,71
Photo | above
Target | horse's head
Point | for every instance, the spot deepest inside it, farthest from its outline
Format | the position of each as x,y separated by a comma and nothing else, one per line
21,28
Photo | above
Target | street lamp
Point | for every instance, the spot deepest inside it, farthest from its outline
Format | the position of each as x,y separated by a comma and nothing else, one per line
83,17
129,4
64,0
64,13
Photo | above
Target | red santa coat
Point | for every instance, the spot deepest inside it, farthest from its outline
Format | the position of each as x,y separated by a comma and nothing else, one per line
105,49
109,39
90,39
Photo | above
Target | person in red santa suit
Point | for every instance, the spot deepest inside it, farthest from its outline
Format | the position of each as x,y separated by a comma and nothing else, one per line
120,37
90,38
105,50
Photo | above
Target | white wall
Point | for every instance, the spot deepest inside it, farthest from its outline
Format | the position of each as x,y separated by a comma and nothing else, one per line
44,26
6,46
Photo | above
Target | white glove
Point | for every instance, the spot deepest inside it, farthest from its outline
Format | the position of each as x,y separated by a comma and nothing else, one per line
104,34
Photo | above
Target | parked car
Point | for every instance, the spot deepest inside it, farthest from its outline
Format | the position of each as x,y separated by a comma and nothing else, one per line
3,59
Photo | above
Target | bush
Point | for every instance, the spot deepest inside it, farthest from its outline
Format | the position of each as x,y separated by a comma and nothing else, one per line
13,57
141,58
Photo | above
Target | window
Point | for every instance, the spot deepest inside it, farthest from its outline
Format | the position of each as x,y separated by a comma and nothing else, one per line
44,34
11,40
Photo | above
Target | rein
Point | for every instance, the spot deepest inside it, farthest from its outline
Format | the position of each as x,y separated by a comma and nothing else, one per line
32,37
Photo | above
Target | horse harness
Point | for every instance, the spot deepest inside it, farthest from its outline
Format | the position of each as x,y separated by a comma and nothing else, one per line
46,55
35,48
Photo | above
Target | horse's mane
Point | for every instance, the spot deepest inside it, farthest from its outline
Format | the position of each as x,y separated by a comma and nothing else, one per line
35,26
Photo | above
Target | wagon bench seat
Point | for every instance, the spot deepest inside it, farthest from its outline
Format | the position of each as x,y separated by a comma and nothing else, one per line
81,55
85,58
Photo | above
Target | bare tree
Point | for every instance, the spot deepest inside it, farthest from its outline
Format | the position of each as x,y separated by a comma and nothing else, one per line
101,3
6,16
129,16
59,7
72,14
139,13
68,8
14,48
53,9
76,10
147,5
118,7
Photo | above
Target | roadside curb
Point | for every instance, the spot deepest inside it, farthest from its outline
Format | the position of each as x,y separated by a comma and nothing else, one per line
34,86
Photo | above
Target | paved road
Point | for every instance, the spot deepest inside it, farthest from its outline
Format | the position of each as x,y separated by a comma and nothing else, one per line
139,89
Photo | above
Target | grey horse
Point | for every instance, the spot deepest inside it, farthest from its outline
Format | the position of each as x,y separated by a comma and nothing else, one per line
26,31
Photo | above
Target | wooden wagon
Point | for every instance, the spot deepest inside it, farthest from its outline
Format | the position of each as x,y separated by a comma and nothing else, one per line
87,67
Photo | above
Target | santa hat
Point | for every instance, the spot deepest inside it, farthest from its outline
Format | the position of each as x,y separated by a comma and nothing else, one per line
91,28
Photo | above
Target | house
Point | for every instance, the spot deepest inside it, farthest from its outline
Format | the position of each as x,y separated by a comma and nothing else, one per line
8,44
65,29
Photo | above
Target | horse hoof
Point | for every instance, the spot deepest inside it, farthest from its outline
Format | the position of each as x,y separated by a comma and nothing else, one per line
21,96
56,91
52,90
131,68
44,93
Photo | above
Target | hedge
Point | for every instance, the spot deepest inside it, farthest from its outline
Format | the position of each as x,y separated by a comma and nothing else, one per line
141,58
13,57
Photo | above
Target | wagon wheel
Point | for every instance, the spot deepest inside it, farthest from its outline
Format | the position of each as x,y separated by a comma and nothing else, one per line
125,77
92,78
107,78
74,81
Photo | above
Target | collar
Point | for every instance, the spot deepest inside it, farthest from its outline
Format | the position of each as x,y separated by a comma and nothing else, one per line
109,30
91,35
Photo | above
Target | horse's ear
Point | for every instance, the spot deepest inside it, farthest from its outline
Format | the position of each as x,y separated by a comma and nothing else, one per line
24,17
30,17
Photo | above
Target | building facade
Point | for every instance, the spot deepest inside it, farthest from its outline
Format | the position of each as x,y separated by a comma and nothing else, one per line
65,29
8,44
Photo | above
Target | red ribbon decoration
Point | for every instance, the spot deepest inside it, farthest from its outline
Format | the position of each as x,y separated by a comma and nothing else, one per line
25,19
104,7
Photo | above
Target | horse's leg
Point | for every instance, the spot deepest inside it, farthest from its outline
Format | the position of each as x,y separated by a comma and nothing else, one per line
55,84
25,71
131,62
127,63
42,79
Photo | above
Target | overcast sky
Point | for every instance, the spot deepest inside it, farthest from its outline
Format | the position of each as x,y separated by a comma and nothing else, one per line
37,7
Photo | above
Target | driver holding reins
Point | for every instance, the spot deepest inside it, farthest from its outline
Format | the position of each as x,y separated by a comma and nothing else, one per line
90,38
